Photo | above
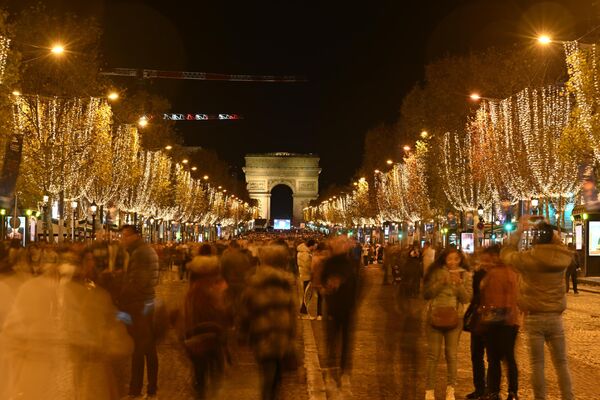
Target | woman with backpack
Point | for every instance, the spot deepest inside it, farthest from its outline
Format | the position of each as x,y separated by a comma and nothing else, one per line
447,287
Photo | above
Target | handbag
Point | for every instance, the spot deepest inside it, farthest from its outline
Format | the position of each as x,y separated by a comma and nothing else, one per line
444,318
469,318
494,315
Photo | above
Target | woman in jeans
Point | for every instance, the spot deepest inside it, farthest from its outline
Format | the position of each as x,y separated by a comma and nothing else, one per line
500,323
446,284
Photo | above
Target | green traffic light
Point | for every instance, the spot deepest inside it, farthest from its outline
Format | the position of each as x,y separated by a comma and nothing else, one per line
508,227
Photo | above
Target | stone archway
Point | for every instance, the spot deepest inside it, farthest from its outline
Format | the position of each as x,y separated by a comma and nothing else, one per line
300,172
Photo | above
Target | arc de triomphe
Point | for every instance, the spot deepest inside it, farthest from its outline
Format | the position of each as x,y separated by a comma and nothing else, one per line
300,172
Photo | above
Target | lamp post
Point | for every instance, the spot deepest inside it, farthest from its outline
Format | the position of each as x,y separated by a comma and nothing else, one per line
3,223
151,220
45,226
74,209
535,202
94,209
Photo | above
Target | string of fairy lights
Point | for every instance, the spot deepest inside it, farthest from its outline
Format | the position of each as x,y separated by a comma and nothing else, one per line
511,149
4,47
71,151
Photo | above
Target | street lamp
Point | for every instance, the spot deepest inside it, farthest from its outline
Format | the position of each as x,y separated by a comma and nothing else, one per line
94,209
143,122
45,201
194,168
406,148
424,135
544,39
475,96
205,177
113,96
480,211
57,49
74,209
535,203
168,147
16,93
389,162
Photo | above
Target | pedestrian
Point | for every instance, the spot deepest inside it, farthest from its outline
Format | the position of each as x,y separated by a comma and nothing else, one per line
321,253
365,254
268,317
499,323
471,324
203,327
137,299
447,287
428,255
573,269
341,288
304,262
542,298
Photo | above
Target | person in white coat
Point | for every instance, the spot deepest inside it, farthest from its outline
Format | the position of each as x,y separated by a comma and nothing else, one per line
304,258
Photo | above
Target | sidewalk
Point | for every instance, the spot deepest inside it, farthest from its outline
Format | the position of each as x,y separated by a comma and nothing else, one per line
389,364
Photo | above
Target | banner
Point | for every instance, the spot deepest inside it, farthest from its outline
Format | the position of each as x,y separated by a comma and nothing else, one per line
10,170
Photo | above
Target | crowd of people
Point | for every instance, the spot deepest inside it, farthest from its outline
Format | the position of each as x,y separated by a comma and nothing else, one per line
75,318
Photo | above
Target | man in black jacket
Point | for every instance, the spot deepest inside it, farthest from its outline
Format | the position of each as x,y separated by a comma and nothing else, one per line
137,299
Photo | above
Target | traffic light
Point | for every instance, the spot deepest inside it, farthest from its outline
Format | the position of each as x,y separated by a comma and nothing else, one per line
508,227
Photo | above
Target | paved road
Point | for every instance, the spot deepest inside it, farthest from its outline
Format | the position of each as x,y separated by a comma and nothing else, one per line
389,351
388,355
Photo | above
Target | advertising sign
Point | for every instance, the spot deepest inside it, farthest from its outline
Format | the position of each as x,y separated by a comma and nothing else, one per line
467,242
578,237
594,238
283,224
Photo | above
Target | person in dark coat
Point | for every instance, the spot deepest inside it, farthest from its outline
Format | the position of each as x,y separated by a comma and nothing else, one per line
340,282
472,318
137,300
268,316
574,267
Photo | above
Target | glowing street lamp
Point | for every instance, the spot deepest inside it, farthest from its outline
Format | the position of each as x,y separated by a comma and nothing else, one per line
16,93
57,49
406,148
376,171
113,96
424,135
389,162
185,161
143,122
475,96
205,177
168,147
544,39
194,168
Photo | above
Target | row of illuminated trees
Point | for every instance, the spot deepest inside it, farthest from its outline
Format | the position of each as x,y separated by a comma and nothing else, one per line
74,151
531,145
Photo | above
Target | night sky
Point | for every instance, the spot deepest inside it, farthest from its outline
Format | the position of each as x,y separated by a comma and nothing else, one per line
359,59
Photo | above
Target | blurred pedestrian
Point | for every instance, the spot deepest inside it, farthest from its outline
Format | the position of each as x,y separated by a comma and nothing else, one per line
573,269
447,286
203,326
428,255
543,299
499,323
137,299
304,262
269,317
340,282
471,324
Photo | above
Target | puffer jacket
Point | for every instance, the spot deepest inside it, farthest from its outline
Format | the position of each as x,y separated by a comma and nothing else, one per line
141,276
542,269
304,258
441,293
268,313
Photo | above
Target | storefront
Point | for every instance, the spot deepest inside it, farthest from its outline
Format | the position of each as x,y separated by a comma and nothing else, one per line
586,233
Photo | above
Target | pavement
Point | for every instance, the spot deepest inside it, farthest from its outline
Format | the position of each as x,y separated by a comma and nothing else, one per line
388,355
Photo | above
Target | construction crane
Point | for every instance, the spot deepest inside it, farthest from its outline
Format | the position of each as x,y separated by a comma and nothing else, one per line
200,76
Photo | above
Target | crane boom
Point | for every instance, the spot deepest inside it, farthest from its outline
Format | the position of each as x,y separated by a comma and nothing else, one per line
200,76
